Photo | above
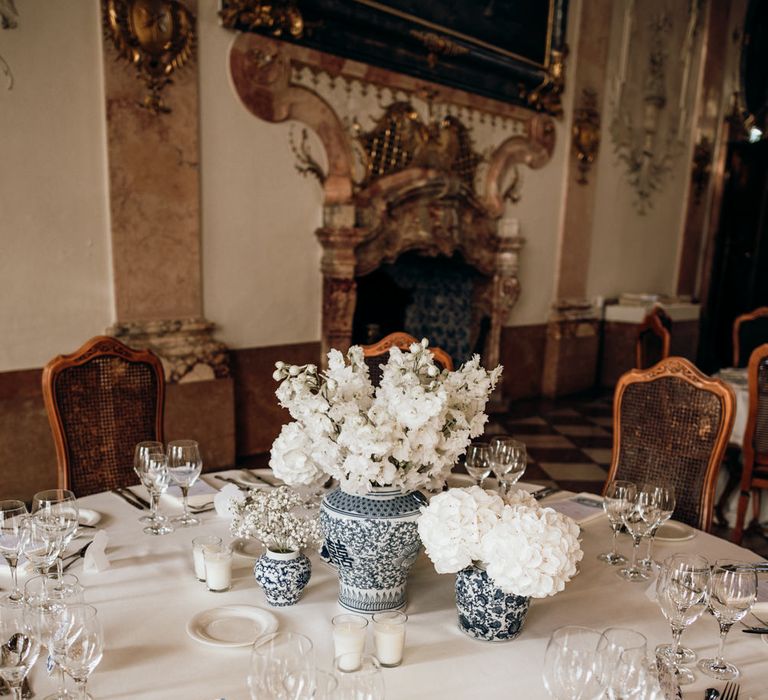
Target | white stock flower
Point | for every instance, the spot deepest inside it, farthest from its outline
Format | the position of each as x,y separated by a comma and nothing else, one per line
291,459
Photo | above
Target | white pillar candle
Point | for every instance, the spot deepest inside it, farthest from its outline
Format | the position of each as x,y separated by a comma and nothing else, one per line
389,637
218,567
197,553
349,640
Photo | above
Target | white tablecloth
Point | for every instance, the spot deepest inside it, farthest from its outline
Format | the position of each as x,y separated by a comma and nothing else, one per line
149,593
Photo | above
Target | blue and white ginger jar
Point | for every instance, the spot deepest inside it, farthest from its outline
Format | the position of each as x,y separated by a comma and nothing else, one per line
372,540
485,611
283,576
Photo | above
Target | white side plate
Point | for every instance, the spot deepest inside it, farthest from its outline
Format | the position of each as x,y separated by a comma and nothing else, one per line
247,548
673,531
231,625
88,517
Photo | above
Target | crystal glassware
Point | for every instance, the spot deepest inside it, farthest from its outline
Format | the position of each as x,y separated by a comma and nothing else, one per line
618,498
157,479
184,465
508,461
57,511
282,667
664,496
622,663
362,683
39,543
639,519
571,664
681,592
12,513
141,455
19,646
78,644
732,592
477,461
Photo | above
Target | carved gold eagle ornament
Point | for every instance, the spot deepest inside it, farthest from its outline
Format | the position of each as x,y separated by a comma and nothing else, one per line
156,36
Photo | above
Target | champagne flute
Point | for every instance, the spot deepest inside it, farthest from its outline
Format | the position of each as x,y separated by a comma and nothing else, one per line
508,461
681,592
78,644
732,592
619,497
56,510
478,461
12,513
639,519
184,465
665,501
571,664
19,647
157,478
141,455
622,662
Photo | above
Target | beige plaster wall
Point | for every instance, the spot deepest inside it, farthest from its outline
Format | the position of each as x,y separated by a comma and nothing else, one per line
55,270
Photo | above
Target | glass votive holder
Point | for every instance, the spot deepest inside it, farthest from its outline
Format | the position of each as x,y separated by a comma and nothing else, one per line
349,640
365,681
389,637
218,567
326,685
197,553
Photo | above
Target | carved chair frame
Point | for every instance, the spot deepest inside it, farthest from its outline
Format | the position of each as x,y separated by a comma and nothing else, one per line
651,324
744,318
404,341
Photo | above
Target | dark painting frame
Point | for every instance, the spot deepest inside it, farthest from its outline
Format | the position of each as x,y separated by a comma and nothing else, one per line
509,50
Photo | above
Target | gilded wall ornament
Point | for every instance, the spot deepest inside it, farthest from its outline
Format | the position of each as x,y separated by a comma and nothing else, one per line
438,45
278,17
586,133
156,36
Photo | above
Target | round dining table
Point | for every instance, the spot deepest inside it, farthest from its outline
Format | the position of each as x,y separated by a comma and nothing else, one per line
148,593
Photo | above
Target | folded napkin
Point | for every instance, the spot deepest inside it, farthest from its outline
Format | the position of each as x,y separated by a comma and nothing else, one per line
761,604
222,498
201,493
95,559
582,508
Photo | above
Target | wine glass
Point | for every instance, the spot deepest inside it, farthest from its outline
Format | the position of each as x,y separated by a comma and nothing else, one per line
157,477
282,667
56,510
621,662
664,496
508,461
571,664
639,519
141,455
732,592
78,643
619,497
478,461
363,683
39,544
12,513
681,592
19,646
184,465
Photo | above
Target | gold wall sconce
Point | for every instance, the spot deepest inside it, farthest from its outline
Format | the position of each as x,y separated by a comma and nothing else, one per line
586,133
156,36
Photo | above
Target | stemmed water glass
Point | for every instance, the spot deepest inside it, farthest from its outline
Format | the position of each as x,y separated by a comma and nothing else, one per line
478,461
184,465
664,496
141,455
19,646
622,663
619,497
732,592
681,592
157,477
639,518
12,513
282,667
571,664
39,544
508,461
363,683
56,510
78,644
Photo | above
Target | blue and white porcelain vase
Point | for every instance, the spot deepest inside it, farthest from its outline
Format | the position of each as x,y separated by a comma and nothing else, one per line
283,576
485,611
372,540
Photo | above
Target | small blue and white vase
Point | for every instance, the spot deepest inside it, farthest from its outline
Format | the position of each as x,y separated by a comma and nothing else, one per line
372,541
485,611
283,576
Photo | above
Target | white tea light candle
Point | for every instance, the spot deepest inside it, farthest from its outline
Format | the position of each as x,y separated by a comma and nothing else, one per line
349,640
218,567
197,553
389,637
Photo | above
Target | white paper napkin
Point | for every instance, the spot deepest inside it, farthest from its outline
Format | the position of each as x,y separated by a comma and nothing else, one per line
222,498
583,507
201,493
95,559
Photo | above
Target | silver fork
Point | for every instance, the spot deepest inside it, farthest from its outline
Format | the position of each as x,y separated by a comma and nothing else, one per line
730,692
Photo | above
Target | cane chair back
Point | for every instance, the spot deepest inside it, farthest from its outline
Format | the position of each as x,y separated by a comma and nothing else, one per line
101,400
372,354
754,473
653,338
671,425
749,331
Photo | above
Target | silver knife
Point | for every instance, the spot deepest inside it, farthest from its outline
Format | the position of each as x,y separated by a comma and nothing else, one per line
73,558
144,503
127,499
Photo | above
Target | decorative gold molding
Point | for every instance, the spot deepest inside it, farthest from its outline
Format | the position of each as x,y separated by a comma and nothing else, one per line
156,36
547,95
277,16
438,45
586,133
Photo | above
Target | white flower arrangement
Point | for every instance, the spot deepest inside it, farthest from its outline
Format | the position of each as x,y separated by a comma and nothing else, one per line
525,549
277,517
408,432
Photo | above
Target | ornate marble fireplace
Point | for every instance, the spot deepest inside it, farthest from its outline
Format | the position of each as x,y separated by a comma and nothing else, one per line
432,174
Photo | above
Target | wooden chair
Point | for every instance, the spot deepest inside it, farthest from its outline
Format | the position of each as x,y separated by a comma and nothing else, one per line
671,425
754,473
101,400
401,340
653,338
749,331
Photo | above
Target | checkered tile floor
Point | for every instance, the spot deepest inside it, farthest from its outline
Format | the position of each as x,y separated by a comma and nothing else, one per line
568,441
